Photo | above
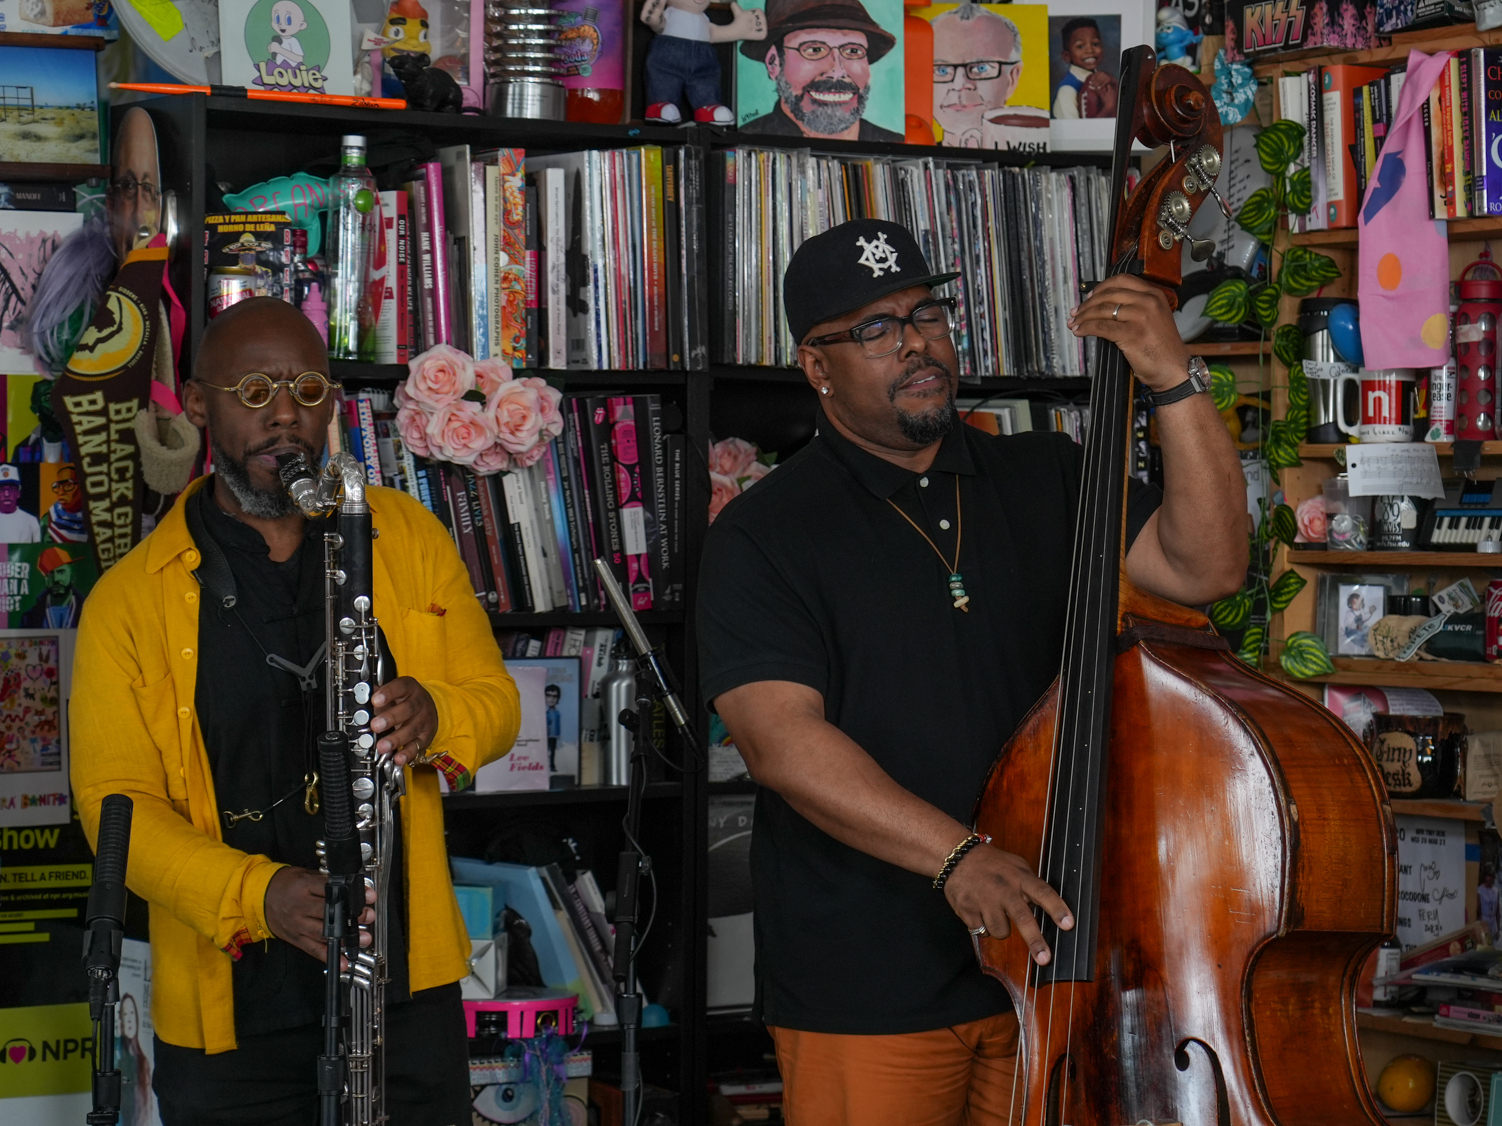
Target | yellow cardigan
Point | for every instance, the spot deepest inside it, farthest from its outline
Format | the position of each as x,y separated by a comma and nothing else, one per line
134,732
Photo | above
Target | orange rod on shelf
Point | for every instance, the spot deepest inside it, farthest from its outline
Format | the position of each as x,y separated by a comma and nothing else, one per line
263,95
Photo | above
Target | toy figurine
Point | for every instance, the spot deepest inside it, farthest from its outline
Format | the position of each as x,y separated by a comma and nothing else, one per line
427,88
681,59
1174,38
405,33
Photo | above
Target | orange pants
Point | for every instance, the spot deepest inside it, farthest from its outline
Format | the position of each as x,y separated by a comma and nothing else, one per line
960,1076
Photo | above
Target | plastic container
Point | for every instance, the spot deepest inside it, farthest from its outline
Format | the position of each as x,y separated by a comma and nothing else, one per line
1348,519
350,254
592,51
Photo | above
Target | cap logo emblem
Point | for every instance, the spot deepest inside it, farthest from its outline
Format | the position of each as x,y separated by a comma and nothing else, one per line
877,256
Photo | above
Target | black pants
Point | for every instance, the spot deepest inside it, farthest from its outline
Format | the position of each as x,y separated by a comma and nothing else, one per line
269,1080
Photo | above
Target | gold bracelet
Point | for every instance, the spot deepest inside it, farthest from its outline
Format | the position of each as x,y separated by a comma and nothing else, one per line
956,855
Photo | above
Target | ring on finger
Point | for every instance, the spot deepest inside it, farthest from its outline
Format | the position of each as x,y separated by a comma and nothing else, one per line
1116,311
977,932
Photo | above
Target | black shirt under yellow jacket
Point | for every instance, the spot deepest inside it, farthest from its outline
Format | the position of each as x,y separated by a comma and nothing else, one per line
811,576
136,730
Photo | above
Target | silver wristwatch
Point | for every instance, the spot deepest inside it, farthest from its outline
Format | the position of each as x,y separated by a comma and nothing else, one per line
1198,381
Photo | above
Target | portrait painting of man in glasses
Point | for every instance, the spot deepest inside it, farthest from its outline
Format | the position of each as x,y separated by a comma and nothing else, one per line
821,57
988,87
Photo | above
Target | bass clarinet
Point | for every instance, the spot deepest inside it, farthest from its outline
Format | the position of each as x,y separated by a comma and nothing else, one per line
360,788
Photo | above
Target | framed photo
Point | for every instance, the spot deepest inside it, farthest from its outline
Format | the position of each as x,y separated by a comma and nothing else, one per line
49,104
560,694
35,678
1085,42
1360,606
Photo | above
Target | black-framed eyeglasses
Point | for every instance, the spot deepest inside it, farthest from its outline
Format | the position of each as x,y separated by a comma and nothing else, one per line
130,187
881,336
257,390
978,70
815,51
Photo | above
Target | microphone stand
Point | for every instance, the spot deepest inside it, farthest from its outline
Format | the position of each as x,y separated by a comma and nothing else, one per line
101,953
651,674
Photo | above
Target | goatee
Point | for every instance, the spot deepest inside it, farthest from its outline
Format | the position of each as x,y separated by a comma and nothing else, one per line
263,504
927,428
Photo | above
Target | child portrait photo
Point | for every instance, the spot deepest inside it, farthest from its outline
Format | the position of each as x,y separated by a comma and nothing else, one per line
1361,606
1085,42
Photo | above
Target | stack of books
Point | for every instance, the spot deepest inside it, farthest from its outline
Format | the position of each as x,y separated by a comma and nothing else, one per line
578,261
1347,111
612,485
1022,239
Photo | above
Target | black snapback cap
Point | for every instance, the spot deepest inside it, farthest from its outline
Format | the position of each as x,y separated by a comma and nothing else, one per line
849,266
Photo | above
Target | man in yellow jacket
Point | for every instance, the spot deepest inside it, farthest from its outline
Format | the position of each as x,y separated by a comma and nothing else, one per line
198,692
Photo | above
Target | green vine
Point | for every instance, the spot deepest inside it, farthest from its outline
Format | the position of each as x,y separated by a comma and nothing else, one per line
1297,272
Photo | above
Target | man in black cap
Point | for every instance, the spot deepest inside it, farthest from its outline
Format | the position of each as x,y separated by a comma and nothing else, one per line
819,55
875,619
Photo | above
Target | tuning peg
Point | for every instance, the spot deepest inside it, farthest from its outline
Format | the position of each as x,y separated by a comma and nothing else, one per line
1201,248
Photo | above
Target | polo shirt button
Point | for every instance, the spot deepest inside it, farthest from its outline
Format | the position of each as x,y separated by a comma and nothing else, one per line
191,597
187,654
182,713
944,524
923,481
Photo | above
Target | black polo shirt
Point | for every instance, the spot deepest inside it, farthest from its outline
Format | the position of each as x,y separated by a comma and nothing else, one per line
811,577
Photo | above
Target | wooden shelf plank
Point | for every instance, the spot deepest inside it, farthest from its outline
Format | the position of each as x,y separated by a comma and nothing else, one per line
13,171
1440,807
1401,1026
1454,676
1326,450
1459,230
1232,347
1455,37
1366,559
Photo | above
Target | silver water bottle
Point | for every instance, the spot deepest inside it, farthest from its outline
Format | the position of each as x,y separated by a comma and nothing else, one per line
617,694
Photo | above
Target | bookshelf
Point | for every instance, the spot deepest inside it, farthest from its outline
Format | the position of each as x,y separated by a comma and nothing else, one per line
206,139
1472,688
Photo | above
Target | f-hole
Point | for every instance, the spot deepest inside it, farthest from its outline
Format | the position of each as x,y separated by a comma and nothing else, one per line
1063,1071
1222,1099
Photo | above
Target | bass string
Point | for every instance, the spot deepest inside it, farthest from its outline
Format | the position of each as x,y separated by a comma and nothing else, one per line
1100,455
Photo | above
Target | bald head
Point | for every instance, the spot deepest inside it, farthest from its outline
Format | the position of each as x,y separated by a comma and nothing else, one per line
136,181
262,334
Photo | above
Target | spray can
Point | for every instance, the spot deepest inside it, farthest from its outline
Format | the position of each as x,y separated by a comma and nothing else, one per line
350,254
617,695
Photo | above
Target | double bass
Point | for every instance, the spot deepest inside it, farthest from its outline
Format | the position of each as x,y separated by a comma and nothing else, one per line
1225,843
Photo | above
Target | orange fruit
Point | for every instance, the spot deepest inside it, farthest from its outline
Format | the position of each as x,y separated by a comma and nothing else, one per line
1406,1084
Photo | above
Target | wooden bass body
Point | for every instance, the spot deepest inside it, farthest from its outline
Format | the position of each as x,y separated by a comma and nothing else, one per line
1248,868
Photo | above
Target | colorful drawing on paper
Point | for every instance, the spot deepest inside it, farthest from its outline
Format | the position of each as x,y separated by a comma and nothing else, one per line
31,738
27,240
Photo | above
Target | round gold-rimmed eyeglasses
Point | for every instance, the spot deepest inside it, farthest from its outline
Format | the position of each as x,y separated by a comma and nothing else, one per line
257,390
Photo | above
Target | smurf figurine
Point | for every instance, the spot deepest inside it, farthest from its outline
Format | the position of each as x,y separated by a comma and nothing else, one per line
681,59
1174,38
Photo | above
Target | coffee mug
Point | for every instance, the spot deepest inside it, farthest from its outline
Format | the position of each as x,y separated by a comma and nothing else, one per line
1387,396
1334,401
1018,128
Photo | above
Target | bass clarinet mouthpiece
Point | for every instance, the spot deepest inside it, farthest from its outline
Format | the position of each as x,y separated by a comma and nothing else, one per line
300,482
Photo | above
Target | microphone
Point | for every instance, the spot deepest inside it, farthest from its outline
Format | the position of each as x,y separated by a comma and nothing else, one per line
106,910
340,840
647,658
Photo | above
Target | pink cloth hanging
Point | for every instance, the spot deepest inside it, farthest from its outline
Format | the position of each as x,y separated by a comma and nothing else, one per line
1405,255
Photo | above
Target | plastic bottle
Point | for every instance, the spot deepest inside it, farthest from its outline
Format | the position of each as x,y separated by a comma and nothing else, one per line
349,254
314,308
592,48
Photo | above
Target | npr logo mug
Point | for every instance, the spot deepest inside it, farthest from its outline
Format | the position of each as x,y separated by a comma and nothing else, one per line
1387,398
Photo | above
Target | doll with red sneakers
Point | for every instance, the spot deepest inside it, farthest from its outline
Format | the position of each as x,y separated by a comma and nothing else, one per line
681,60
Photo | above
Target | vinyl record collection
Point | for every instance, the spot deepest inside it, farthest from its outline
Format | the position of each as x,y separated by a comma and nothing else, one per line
1023,240
581,260
611,485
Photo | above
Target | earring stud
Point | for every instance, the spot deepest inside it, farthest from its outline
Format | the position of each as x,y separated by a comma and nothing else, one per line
823,390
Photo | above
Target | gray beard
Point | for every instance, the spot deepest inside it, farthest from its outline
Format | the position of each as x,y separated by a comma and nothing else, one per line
263,504
825,120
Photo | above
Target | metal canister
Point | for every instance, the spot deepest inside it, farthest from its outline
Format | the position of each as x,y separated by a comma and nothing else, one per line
617,695
1395,523
1441,426
230,284
1494,620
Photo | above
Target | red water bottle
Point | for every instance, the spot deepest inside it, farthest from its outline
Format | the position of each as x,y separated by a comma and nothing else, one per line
1475,333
